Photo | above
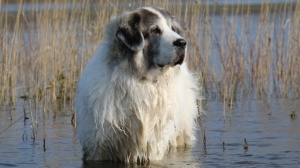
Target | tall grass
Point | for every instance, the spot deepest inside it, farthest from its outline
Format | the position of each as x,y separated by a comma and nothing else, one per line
244,58
43,51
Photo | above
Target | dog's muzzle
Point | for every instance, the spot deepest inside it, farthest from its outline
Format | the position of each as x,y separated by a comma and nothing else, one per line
180,51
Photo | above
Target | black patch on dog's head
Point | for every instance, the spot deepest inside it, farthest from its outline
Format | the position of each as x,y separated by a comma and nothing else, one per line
151,48
129,32
151,51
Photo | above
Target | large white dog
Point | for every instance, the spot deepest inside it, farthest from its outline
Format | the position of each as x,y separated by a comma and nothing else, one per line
136,97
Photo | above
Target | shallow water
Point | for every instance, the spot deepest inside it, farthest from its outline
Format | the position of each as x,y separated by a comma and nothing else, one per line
273,138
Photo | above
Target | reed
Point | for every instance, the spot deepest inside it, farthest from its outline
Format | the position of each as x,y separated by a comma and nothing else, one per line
245,59
43,52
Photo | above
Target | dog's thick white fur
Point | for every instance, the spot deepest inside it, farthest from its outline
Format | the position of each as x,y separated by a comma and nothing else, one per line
136,97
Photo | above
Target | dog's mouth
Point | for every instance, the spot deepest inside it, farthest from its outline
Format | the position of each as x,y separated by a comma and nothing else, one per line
161,65
179,60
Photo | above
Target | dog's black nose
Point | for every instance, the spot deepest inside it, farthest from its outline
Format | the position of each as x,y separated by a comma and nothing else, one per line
180,43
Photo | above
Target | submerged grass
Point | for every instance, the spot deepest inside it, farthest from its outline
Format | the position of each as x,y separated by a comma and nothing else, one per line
44,50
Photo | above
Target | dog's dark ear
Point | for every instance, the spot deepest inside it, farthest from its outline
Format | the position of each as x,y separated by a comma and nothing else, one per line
129,33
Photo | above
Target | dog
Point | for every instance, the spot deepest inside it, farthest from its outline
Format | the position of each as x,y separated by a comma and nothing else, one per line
136,97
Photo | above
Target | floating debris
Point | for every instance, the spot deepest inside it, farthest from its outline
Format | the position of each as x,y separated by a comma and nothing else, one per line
25,97
245,145
293,115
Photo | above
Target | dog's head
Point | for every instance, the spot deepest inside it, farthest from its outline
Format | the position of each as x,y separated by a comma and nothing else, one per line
153,35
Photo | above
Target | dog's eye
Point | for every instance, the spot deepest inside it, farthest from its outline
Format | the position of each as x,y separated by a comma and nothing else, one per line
176,30
173,29
155,29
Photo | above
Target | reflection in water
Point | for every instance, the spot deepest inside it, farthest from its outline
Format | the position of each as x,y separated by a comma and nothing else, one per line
177,157
273,139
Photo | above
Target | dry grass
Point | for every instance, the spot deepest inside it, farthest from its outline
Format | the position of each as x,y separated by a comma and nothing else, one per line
245,58
43,52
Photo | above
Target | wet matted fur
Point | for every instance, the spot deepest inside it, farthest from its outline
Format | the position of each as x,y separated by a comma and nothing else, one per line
136,97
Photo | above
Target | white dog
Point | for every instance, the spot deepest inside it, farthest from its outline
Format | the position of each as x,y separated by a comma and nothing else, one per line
136,97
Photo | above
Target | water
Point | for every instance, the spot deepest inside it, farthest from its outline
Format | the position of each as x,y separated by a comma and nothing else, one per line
27,7
273,138
18,149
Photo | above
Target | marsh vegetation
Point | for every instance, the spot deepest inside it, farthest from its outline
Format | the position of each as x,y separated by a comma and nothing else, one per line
45,45
240,51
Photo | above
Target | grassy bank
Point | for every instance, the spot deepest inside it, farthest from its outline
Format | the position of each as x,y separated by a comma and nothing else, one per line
43,52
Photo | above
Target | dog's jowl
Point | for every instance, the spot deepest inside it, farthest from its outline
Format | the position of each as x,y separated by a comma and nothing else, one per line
136,97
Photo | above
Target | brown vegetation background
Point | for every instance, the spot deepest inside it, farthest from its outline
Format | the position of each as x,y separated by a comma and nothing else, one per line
44,50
